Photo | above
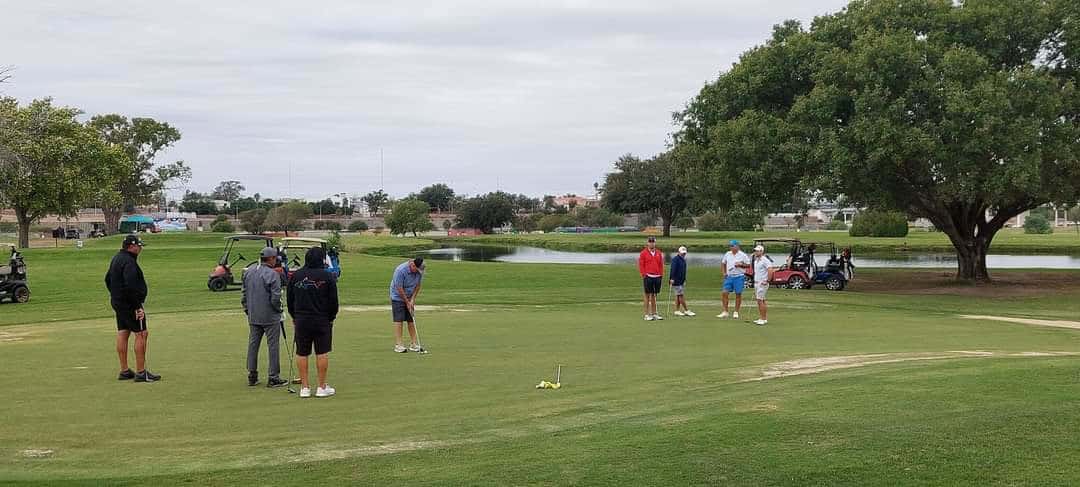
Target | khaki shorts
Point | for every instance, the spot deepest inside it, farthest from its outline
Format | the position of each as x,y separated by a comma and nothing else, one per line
760,289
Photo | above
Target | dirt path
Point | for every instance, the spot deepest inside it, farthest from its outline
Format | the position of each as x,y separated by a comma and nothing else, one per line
1026,321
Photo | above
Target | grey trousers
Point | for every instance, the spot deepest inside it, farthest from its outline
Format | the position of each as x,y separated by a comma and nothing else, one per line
273,334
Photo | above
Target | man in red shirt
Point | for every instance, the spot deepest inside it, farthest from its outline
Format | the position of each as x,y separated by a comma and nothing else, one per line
651,268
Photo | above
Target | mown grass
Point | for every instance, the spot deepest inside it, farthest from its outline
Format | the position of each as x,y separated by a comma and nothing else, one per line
1006,242
642,403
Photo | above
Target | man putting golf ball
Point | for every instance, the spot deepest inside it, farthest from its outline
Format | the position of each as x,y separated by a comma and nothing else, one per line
404,289
763,274
735,262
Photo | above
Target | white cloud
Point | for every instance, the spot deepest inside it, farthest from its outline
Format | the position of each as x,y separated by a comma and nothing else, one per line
539,97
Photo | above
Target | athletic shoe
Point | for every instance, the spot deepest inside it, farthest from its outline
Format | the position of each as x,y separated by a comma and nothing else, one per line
416,348
658,317
679,313
735,315
325,391
400,349
275,382
648,318
761,322
305,392
146,376
253,380
722,315
689,313
126,375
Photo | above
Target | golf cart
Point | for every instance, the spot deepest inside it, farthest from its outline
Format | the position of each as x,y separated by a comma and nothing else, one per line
801,270
223,275
13,285
293,249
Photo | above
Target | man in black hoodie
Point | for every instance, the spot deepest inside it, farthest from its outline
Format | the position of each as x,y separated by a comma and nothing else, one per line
313,304
127,292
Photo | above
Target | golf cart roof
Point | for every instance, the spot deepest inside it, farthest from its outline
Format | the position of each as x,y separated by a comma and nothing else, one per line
777,240
7,245
249,237
288,240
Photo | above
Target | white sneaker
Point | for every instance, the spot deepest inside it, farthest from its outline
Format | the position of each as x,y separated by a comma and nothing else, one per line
680,313
416,348
761,322
689,313
400,348
658,317
648,318
305,392
722,315
735,315
324,391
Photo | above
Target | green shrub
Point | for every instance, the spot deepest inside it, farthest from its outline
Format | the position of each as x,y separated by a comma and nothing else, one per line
334,239
222,226
1037,224
550,222
733,220
876,223
684,222
327,225
836,224
358,226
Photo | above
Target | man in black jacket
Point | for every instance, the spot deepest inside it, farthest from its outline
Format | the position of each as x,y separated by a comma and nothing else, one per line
313,304
127,290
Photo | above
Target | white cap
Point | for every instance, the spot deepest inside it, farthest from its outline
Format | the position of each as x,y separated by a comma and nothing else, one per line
759,248
682,250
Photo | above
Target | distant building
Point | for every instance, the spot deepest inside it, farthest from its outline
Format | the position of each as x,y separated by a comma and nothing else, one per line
574,201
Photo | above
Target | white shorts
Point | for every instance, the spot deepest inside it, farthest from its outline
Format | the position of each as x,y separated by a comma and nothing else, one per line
678,290
760,289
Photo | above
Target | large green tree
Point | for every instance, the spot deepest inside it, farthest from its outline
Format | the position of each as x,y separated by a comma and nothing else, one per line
439,197
139,180
965,113
487,212
375,201
409,216
288,217
49,162
647,185
228,191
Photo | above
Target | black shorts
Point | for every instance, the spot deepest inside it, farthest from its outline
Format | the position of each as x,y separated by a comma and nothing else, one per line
652,285
312,333
401,312
125,321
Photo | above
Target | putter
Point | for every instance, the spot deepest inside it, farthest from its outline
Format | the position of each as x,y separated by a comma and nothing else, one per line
146,348
292,367
669,300
558,373
419,343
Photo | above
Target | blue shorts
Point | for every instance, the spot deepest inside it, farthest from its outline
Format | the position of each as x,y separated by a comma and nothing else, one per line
734,284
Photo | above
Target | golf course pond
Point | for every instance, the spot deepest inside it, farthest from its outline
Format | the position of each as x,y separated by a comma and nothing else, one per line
535,255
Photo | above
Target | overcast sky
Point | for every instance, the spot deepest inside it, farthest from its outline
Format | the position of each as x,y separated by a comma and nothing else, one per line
537,97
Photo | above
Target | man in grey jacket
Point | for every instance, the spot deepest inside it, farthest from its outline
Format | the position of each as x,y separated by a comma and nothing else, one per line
262,305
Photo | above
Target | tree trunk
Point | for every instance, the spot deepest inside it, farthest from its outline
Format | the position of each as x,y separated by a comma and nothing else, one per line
971,260
667,225
112,220
24,220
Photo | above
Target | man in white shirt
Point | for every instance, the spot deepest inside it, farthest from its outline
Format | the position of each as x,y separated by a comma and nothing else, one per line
763,274
735,262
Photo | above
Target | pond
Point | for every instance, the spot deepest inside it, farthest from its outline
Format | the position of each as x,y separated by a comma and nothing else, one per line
534,255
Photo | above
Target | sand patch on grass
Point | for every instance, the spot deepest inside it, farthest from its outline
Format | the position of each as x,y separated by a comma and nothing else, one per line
37,453
14,336
1026,321
817,365
328,453
386,309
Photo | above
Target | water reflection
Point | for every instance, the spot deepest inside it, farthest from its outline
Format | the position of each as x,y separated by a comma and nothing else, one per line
534,255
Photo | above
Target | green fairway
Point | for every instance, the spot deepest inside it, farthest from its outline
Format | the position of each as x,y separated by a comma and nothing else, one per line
883,384
1064,241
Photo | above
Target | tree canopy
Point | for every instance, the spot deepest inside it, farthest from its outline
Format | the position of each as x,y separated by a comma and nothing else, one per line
644,185
438,196
409,216
375,201
49,162
487,212
965,113
228,191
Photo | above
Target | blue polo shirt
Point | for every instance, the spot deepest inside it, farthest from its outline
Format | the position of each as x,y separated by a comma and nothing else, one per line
404,278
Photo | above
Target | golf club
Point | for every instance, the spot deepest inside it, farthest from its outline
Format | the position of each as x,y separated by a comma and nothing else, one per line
292,367
146,348
669,300
419,343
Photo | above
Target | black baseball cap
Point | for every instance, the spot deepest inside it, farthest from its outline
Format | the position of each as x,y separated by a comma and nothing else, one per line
131,240
419,262
652,239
